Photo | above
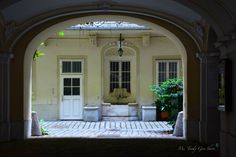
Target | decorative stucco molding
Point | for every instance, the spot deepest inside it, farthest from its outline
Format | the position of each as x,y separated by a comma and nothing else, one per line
204,57
105,4
10,29
226,45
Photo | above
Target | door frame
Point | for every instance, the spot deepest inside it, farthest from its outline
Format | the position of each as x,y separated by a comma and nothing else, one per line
61,76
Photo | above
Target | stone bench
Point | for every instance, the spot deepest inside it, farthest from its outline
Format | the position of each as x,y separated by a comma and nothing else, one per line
91,113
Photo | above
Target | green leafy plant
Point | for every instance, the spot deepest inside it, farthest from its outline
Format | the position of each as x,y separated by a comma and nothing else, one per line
43,130
37,54
169,96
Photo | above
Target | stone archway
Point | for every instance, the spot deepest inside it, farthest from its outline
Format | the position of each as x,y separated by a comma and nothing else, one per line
21,69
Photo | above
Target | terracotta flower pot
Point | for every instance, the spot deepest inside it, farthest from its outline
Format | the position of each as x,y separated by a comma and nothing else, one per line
164,115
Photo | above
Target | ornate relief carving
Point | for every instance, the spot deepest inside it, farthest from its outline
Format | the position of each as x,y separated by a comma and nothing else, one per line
93,40
6,31
198,29
105,4
10,28
124,43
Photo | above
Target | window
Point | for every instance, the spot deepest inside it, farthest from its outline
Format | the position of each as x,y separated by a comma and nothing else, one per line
71,67
166,69
119,75
71,86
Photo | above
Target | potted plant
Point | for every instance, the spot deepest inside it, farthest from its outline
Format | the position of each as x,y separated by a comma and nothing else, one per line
163,109
169,98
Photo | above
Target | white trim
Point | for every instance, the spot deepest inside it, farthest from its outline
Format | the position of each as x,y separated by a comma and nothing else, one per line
71,75
167,68
71,60
120,72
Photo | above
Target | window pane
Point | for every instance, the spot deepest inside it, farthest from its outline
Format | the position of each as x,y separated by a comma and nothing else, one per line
120,75
77,67
125,66
66,67
162,77
76,90
172,70
125,76
114,66
162,67
67,82
162,72
67,90
113,86
127,86
76,81
125,79
114,77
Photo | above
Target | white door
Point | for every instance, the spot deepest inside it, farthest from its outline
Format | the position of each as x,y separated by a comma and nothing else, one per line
71,97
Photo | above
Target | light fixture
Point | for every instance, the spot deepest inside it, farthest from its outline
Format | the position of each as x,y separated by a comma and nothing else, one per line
120,50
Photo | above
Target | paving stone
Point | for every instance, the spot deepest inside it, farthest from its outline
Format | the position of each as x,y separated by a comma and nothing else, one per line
107,129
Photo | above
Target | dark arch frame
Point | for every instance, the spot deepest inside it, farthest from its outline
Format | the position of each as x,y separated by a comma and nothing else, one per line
19,125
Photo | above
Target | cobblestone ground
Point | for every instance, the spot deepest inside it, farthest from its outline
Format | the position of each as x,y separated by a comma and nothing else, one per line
108,129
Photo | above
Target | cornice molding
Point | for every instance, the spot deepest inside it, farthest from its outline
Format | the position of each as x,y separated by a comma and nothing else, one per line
208,56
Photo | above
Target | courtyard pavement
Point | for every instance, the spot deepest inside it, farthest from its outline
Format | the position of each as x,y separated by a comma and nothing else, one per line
108,129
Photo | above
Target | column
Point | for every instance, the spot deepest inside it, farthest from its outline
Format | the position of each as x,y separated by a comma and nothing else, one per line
4,96
227,47
209,126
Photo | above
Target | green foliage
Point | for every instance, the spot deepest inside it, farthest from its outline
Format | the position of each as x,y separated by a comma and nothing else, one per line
37,54
61,34
169,96
43,130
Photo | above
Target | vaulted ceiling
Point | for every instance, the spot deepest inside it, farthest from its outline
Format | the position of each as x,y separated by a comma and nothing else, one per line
220,14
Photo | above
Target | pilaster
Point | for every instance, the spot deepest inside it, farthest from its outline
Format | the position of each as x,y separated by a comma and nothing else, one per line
4,96
209,125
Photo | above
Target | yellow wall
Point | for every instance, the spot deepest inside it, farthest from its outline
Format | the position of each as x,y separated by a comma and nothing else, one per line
46,73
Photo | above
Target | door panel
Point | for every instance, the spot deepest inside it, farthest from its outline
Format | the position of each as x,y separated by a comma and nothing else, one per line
72,100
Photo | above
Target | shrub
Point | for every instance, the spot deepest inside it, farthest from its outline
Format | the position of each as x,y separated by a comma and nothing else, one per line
169,96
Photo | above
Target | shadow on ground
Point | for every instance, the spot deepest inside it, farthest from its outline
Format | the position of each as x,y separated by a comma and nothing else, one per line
106,147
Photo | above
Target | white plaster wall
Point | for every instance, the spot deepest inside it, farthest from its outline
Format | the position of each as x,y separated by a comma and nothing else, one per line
45,73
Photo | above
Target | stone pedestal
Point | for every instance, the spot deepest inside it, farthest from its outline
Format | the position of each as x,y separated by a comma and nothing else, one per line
119,112
178,130
36,129
149,113
91,113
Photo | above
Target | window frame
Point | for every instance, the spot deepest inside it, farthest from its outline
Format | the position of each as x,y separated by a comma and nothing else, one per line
157,61
71,60
120,74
